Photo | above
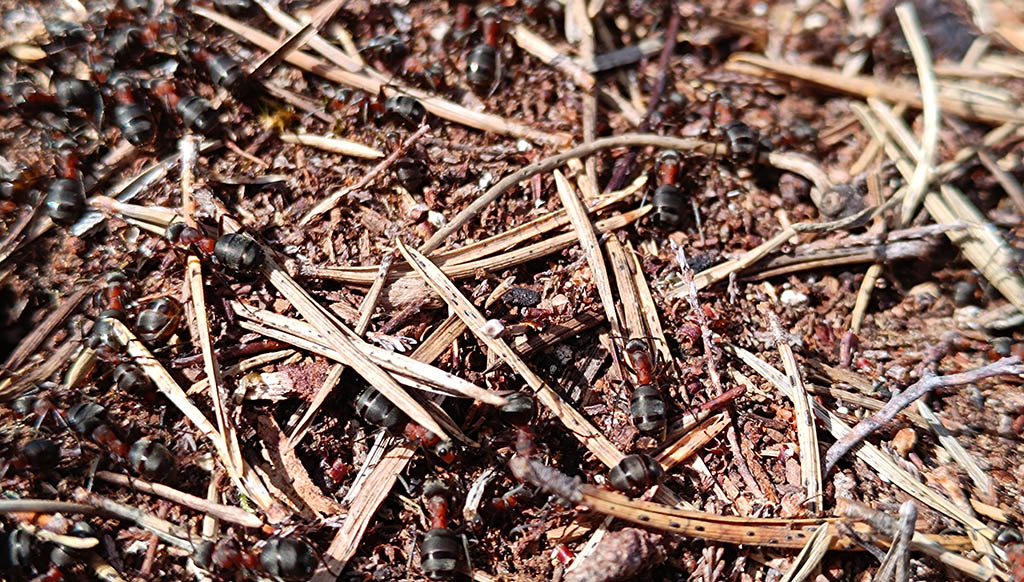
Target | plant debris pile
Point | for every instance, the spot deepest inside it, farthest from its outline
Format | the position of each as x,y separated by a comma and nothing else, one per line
532,290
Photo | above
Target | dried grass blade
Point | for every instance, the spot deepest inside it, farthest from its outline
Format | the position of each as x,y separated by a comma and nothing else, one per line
956,450
246,479
577,425
316,42
362,276
810,556
159,216
869,87
694,440
625,282
337,340
194,274
807,434
273,58
649,308
535,44
398,363
591,248
918,186
373,492
335,145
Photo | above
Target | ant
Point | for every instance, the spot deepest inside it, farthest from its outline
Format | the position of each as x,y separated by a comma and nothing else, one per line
409,175
195,112
65,196
439,550
135,121
238,252
483,65
19,548
387,48
158,320
647,406
224,71
635,474
147,457
40,455
281,557
377,410
668,198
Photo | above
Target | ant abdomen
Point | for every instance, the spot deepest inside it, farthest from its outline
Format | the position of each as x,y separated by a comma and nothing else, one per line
288,558
151,460
635,474
647,409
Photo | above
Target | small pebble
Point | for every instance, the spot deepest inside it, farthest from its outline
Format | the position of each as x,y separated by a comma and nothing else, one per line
521,297
904,441
793,298
1002,345
815,21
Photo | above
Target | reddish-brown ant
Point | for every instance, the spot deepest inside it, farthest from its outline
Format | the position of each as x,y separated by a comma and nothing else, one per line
379,411
635,474
131,117
439,550
668,198
483,65
65,196
281,557
647,406
236,251
195,112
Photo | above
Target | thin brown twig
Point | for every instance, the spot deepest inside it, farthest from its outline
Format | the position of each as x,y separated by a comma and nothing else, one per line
623,164
331,201
1005,367
711,359
227,513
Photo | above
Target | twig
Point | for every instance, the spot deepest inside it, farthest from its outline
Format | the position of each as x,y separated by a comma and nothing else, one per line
896,564
62,539
927,383
711,360
331,201
45,506
224,512
168,532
